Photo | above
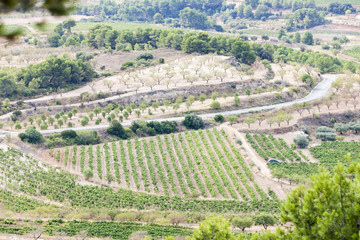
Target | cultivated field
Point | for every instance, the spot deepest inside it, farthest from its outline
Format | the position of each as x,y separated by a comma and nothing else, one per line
202,163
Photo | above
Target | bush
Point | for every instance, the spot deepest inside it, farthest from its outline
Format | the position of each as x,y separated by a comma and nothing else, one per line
127,65
325,134
193,121
83,56
219,118
215,105
218,28
145,56
68,134
308,79
31,135
87,137
118,130
142,128
127,217
301,141
150,217
175,218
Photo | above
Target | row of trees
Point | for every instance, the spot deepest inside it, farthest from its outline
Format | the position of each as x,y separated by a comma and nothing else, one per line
142,128
307,39
111,112
341,8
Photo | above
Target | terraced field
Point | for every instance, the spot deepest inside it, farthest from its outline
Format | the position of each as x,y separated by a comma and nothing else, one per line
24,176
195,163
267,146
330,153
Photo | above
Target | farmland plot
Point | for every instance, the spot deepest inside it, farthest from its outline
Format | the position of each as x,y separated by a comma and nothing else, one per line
30,177
270,147
202,163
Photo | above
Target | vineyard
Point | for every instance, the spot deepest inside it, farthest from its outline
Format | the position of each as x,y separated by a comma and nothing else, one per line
270,147
296,172
294,165
115,230
194,163
330,153
24,174
354,52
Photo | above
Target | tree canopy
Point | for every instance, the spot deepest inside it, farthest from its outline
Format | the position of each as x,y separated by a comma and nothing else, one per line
105,37
56,72
31,135
304,19
193,19
145,10
118,130
213,227
193,121
333,214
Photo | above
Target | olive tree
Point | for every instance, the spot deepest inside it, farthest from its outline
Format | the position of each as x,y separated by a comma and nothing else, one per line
242,223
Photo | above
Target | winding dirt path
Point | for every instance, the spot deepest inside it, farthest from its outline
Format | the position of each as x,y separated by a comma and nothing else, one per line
265,178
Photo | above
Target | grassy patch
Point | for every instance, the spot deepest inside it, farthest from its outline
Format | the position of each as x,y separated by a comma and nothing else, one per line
14,28
354,52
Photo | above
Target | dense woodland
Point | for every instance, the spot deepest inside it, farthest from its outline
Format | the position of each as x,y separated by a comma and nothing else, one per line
202,14
104,37
185,10
48,76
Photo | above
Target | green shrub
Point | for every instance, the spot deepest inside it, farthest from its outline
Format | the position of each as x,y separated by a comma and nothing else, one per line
145,56
127,65
193,121
117,129
301,141
219,118
325,134
68,134
215,105
31,135
87,137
